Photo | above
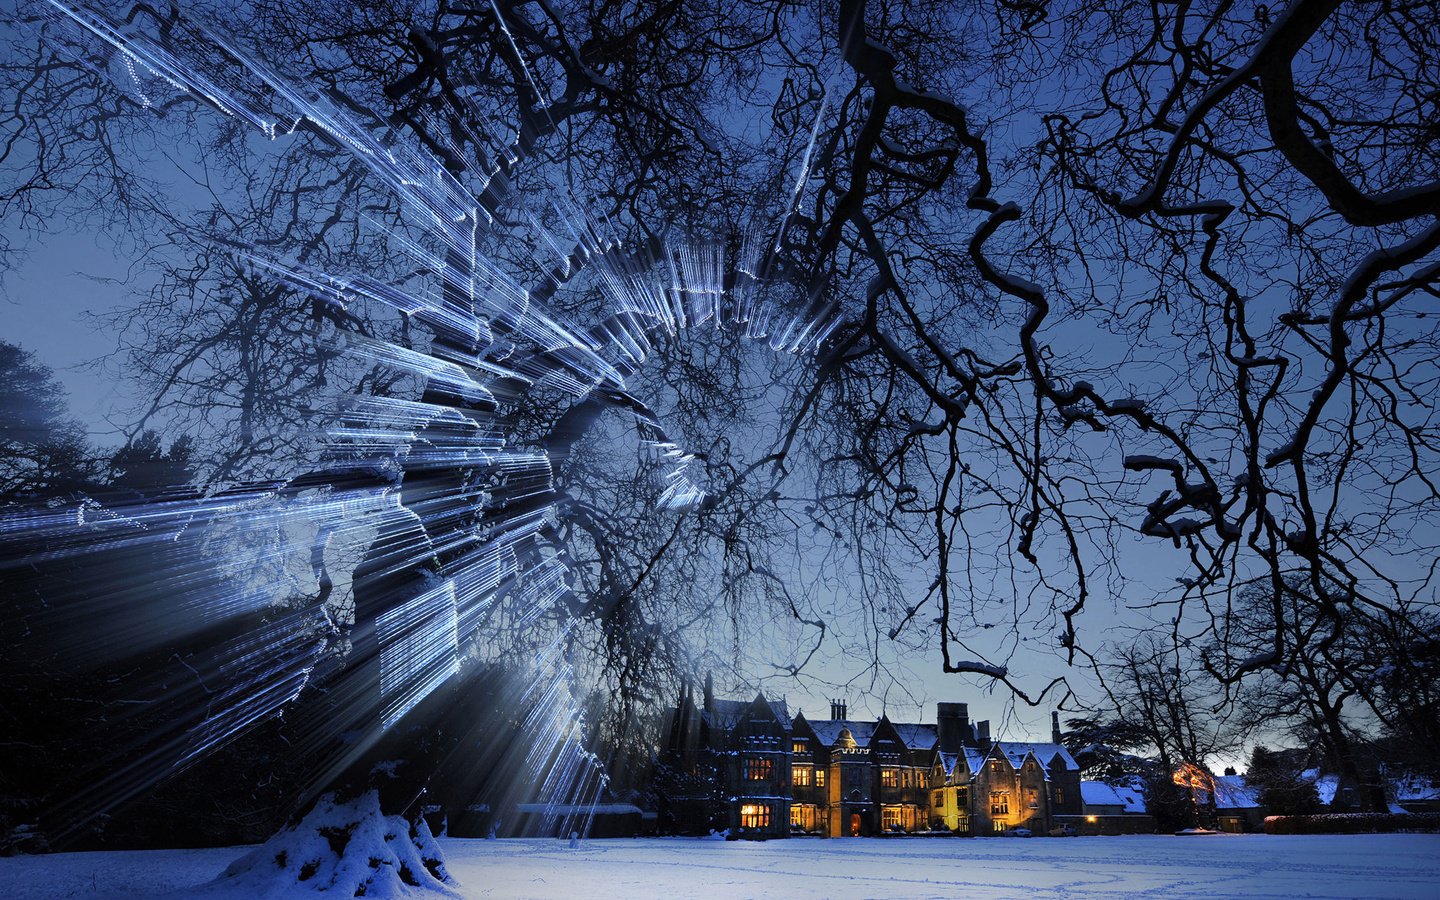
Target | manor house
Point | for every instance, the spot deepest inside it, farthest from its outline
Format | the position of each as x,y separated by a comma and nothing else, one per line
749,767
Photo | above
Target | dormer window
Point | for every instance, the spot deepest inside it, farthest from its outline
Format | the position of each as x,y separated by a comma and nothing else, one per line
799,746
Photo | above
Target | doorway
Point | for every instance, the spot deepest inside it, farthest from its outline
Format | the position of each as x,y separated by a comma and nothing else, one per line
855,824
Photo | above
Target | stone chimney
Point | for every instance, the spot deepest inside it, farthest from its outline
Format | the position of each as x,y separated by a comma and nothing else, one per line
1055,727
837,710
982,734
952,721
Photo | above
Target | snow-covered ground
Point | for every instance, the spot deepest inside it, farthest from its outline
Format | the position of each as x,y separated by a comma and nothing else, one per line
1400,865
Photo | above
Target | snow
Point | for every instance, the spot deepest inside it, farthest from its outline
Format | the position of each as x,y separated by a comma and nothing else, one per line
1231,792
1100,793
1221,865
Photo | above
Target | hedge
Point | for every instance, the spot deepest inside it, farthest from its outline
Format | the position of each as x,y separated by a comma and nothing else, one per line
1352,823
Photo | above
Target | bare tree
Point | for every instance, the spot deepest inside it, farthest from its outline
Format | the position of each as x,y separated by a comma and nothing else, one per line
1075,250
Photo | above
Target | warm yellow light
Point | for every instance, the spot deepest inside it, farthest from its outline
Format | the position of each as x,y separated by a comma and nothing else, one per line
1192,776
1090,819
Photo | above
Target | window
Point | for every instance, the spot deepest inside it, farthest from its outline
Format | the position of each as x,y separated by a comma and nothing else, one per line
754,815
819,777
758,769
1059,795
997,826
999,803
1032,798
802,776
799,747
937,799
888,777
890,818
802,817
962,797
997,766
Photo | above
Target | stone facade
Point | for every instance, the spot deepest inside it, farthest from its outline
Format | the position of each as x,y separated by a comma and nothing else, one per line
752,769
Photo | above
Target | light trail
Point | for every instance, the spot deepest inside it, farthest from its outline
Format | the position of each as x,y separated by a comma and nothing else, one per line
453,499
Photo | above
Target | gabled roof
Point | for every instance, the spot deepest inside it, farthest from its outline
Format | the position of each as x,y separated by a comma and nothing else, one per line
724,715
827,731
1411,788
1099,793
1231,792
1044,754
916,736
780,709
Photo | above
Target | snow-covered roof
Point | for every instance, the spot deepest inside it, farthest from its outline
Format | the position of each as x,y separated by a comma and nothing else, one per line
1231,792
1325,785
1100,793
828,731
726,714
917,736
974,757
1016,751
1409,787
781,710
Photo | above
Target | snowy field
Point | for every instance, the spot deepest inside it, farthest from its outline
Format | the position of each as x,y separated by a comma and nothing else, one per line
1218,866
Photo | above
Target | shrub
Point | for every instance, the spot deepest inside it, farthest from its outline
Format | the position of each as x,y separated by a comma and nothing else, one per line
1352,823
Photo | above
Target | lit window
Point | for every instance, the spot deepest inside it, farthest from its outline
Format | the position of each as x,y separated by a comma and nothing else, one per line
754,815
999,803
1032,798
887,777
890,818
998,827
802,817
997,766
758,769
802,776
819,777
798,747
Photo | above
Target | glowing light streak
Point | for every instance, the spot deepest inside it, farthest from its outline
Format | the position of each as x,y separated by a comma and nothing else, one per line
418,642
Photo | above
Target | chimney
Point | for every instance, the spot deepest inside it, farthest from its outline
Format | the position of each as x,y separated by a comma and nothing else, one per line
1055,727
952,720
982,734
837,710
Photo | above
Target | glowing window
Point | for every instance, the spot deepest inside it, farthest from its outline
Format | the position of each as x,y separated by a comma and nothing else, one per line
754,815
999,803
758,769
888,777
819,777
890,818
803,776
798,747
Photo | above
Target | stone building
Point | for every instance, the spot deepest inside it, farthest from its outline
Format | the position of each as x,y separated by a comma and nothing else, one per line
752,769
